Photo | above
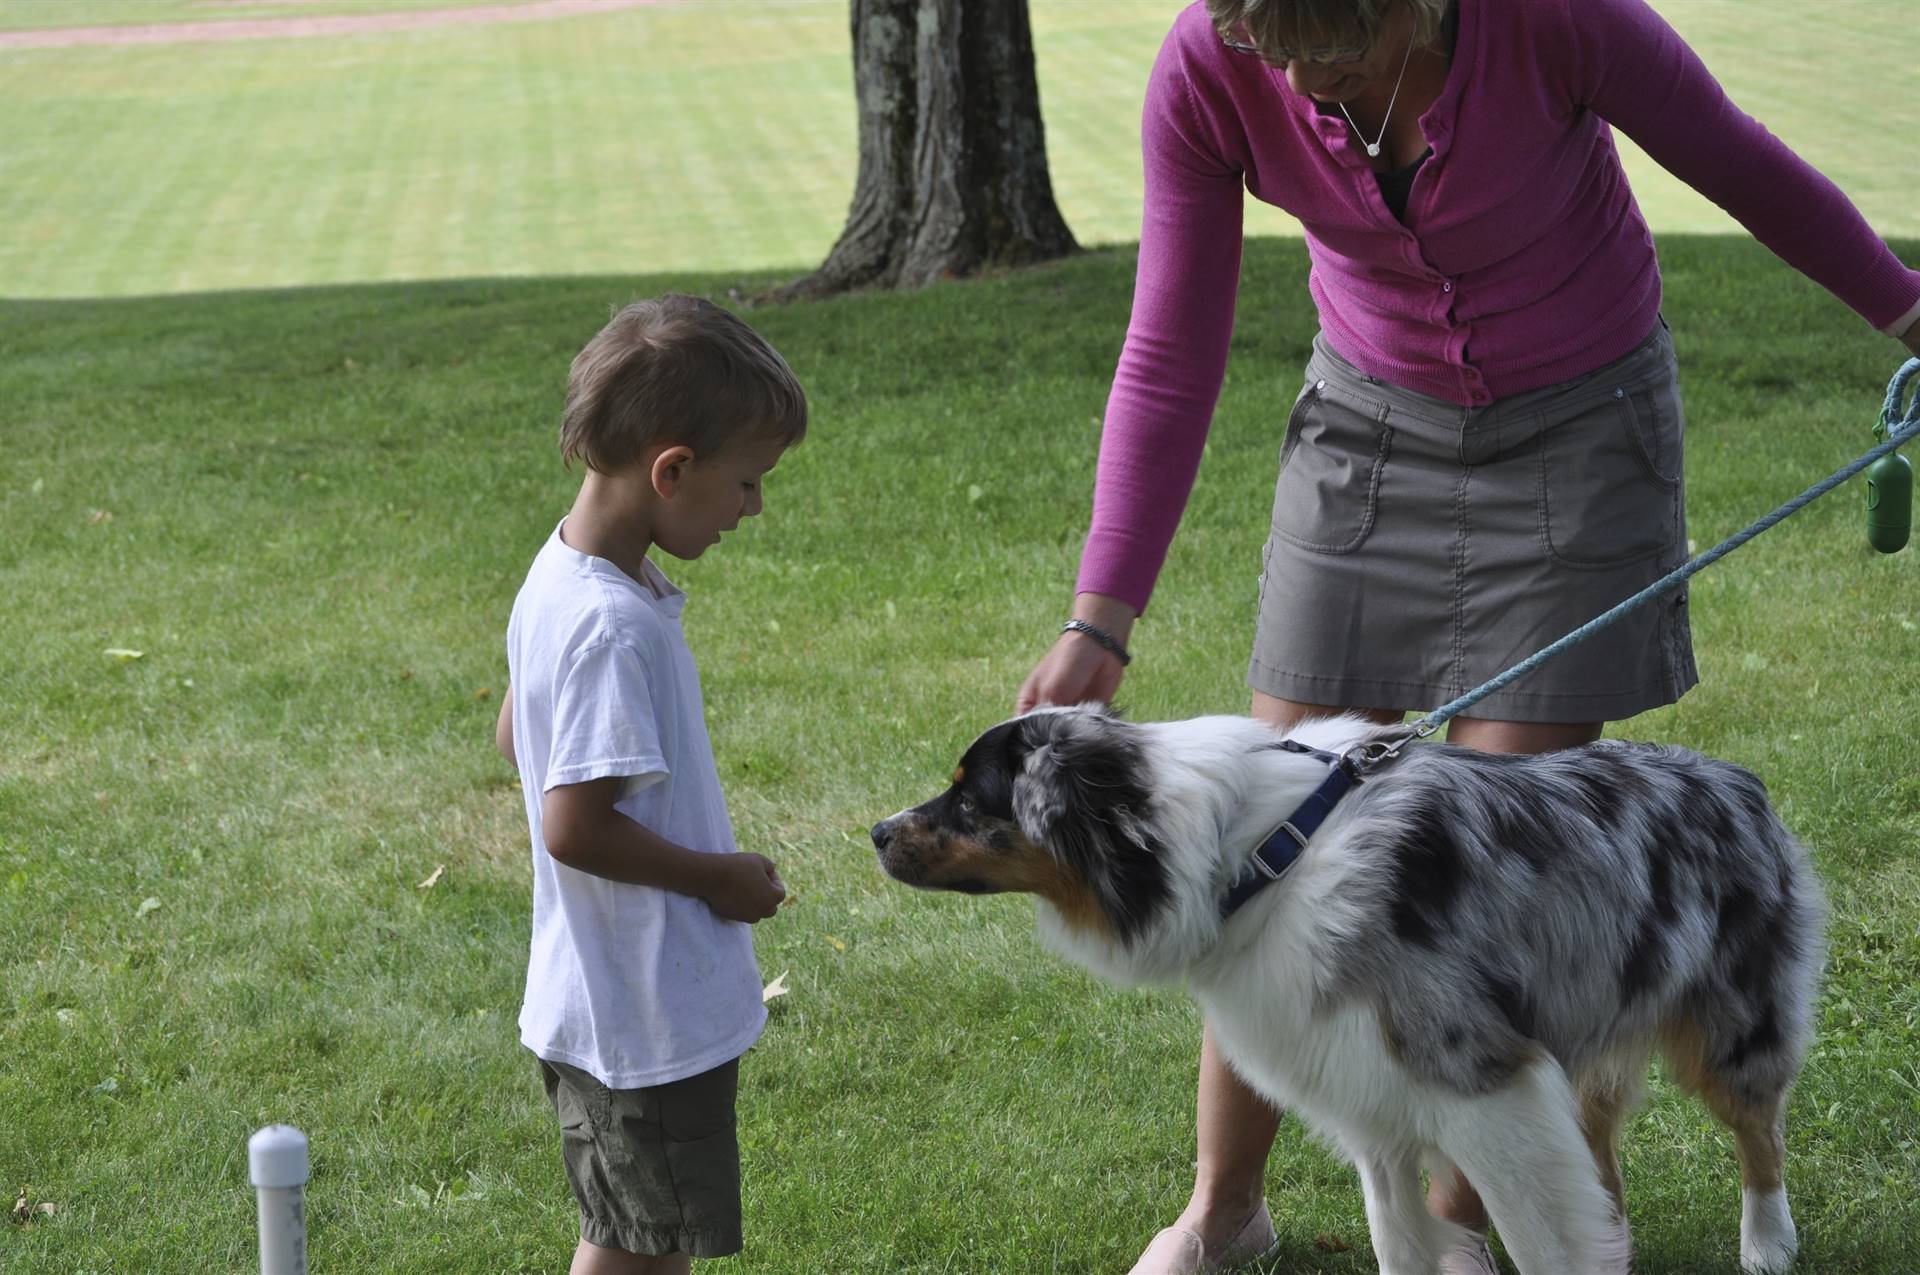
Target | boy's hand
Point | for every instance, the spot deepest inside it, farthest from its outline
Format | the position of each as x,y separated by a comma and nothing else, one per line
583,829
746,887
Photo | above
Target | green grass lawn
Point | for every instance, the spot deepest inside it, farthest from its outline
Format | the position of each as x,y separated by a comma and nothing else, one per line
308,506
310,511
709,137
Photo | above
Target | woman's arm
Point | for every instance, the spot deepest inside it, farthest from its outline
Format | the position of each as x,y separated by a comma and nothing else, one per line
1175,354
1639,75
1165,387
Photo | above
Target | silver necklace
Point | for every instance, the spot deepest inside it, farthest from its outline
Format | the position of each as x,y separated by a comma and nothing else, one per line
1373,147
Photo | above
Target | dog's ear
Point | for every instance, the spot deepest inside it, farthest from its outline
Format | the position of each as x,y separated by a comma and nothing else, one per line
1081,789
1074,767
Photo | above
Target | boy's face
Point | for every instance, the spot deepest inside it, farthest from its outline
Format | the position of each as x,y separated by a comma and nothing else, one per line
713,496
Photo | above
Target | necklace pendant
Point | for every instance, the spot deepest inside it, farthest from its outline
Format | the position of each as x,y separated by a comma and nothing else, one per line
1373,150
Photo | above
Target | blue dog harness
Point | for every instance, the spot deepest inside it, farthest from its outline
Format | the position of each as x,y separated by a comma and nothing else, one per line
1284,844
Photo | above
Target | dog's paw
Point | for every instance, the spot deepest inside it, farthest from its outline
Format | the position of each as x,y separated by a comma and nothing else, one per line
1768,1257
1767,1237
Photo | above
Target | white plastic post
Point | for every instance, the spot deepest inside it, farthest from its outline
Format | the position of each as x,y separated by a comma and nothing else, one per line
277,1162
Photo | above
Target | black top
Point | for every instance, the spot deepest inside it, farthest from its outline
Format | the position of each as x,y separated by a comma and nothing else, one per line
1397,185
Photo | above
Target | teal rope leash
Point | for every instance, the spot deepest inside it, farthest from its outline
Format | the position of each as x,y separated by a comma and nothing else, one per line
1898,429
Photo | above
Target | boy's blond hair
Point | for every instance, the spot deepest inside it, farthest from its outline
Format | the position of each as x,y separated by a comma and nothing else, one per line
676,369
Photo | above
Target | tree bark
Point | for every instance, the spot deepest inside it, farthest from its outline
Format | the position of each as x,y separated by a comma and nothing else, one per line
953,156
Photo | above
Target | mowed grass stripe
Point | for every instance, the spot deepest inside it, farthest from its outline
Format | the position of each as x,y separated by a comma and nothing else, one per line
678,137
1826,80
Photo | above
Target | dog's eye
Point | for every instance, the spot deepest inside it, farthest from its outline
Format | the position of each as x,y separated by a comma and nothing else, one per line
966,804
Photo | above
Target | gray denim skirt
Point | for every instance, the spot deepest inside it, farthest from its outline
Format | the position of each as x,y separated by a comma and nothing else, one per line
1419,548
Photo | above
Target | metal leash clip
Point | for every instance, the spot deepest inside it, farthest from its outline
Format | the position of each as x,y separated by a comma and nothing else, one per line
1376,752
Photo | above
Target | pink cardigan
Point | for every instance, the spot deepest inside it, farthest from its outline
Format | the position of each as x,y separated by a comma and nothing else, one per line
1523,262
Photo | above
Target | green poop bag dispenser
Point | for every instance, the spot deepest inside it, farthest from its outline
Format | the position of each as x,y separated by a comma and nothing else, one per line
1890,485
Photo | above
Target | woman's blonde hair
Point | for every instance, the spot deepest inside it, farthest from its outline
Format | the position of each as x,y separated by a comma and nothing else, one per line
676,369
1322,24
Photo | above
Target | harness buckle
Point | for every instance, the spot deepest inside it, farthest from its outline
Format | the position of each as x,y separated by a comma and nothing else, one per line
1259,860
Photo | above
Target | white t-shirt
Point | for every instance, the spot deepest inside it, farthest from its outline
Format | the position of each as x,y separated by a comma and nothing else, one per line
636,985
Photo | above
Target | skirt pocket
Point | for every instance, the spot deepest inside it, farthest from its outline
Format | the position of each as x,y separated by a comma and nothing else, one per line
1331,462
1610,478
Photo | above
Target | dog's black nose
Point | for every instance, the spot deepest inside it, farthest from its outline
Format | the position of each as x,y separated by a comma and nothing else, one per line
882,833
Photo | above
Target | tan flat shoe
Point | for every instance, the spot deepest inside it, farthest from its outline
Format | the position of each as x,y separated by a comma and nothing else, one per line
1178,1251
1471,1258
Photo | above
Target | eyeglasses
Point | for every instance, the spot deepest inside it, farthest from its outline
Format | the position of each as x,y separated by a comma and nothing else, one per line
1239,40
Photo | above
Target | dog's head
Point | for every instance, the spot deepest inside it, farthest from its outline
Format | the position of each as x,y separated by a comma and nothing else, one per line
1059,804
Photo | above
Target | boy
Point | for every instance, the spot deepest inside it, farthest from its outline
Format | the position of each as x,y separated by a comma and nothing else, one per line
642,992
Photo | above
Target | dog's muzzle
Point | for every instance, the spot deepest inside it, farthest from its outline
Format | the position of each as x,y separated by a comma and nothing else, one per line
900,844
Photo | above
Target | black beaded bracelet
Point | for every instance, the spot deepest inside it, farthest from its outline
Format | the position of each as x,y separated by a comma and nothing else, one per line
1105,639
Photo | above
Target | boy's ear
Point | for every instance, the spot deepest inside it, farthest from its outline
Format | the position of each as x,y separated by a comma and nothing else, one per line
669,468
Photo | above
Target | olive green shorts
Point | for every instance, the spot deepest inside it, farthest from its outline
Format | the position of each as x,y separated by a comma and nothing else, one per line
656,1170
1419,548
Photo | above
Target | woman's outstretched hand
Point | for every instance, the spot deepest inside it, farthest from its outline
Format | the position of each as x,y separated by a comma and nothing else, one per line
1078,669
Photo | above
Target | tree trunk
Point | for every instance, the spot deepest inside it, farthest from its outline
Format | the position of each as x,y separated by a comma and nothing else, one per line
953,156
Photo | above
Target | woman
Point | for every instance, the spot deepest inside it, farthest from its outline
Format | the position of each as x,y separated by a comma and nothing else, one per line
1487,450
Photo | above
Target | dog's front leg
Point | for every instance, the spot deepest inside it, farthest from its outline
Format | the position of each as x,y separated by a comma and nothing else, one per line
1522,1149
1407,1240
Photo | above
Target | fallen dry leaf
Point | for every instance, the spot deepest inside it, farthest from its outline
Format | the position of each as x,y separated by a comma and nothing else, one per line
432,877
778,987
838,946
99,516
1330,1244
485,692
122,654
25,1211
